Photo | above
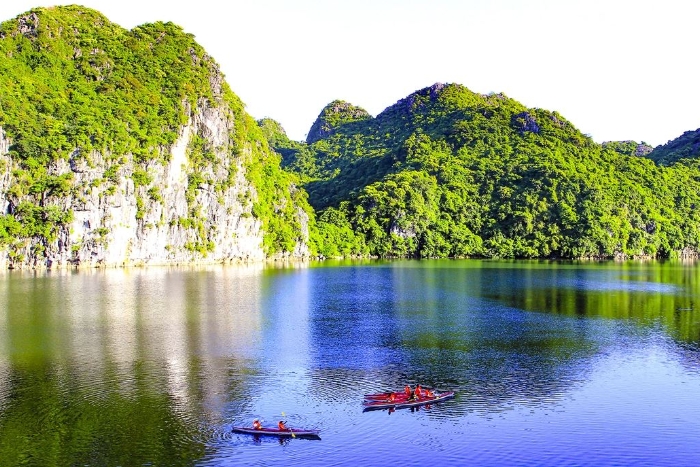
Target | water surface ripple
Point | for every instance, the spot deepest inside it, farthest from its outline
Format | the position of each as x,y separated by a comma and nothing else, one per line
553,363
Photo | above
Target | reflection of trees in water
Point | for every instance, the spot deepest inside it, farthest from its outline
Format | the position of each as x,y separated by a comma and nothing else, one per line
689,357
650,295
646,293
465,325
510,360
57,415
54,420
380,329
121,367
492,355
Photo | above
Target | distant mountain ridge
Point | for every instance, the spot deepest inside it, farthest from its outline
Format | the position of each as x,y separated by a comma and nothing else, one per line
446,172
128,147
686,146
334,115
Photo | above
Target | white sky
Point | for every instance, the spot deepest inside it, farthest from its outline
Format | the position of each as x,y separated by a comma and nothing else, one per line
617,69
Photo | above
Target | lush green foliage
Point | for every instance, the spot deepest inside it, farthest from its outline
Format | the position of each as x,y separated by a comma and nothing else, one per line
443,172
686,146
628,148
279,200
71,83
335,115
448,172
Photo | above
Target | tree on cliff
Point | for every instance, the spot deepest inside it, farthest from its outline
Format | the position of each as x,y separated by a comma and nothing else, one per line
80,94
449,172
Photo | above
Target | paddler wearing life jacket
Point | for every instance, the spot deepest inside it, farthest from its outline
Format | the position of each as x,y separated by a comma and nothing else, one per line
257,425
418,393
282,426
408,391
391,398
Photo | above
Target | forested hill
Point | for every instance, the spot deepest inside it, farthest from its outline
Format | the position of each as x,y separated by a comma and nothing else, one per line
686,146
127,146
449,172
121,146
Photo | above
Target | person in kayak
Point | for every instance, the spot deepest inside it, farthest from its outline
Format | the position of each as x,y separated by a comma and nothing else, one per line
282,426
257,425
391,398
429,393
408,391
418,393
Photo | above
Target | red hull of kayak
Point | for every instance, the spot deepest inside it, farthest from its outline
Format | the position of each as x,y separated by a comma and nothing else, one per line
401,394
277,432
382,396
400,404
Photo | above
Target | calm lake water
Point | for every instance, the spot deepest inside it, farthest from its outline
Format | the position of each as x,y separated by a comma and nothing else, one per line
585,364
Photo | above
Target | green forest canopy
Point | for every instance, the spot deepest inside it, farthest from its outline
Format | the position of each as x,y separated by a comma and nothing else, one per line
444,172
447,172
72,82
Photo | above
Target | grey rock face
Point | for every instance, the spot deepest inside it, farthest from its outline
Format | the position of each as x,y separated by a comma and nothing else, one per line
117,222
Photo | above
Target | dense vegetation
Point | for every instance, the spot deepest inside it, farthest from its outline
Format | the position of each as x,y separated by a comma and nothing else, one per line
629,148
72,83
447,172
444,172
686,146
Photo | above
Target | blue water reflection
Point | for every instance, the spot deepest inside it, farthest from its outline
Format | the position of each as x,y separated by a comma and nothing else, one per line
552,363
541,380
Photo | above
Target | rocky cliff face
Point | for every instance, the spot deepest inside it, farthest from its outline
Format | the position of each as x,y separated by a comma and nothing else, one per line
166,221
5,171
127,148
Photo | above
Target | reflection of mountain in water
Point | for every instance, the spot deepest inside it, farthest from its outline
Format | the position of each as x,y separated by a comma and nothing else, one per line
121,367
689,356
645,293
135,366
382,327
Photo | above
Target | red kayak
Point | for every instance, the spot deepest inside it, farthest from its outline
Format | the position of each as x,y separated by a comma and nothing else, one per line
407,402
380,396
288,433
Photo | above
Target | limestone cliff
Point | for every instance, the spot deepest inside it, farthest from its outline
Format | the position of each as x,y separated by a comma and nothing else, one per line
123,224
160,164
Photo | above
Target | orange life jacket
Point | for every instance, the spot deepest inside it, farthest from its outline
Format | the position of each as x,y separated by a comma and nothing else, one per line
282,426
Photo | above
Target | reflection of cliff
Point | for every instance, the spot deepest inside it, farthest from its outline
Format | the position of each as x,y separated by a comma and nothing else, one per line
4,364
646,293
121,367
427,322
689,357
4,384
491,354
